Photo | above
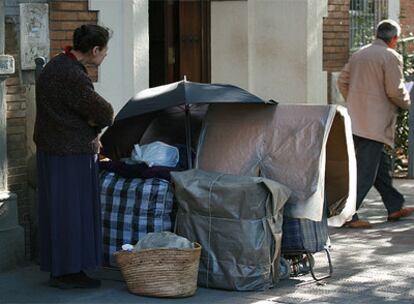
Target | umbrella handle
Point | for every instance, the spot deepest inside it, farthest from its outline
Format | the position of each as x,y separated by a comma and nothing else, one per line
188,136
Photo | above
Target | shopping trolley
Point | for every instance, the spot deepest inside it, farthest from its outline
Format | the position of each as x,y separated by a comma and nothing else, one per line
300,240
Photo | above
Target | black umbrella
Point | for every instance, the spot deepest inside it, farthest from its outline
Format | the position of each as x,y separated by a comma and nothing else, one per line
185,94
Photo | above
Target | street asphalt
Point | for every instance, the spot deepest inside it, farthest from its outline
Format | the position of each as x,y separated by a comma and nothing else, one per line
369,266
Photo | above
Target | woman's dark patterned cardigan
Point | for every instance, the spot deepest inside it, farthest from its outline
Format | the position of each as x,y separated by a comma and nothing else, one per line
67,105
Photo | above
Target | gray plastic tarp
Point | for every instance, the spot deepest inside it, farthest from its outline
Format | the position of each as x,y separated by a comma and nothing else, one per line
238,222
308,148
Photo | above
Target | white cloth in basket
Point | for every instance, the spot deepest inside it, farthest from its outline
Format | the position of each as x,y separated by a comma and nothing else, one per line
163,239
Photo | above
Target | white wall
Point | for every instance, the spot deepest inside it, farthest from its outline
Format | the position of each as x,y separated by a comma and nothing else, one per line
284,48
336,96
125,71
270,47
394,10
229,57
317,79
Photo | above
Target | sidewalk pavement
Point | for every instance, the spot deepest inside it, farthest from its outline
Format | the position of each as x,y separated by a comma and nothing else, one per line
370,266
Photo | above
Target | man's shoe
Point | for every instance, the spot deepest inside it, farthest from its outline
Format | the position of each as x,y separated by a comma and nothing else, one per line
403,212
357,224
74,280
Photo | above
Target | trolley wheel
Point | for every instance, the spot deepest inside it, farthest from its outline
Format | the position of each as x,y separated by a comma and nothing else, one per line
284,268
306,264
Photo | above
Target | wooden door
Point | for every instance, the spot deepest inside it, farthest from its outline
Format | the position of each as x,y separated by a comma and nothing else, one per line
179,34
194,44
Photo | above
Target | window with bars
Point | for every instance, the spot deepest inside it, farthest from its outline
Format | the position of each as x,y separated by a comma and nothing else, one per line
364,16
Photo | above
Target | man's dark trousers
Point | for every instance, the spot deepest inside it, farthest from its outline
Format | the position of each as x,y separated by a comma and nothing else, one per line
374,169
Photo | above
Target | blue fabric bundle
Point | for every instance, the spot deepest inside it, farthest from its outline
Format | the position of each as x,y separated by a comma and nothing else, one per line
304,235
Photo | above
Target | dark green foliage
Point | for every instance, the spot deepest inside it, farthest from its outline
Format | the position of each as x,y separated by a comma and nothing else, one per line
400,153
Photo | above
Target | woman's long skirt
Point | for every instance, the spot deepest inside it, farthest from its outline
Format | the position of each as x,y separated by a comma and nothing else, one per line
69,213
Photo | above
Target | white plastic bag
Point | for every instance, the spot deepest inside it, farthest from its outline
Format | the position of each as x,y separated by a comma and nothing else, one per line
163,239
155,154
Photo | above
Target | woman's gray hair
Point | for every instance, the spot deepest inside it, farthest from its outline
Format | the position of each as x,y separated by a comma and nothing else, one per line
388,29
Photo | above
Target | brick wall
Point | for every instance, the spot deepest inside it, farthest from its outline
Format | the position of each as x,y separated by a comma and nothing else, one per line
407,23
16,130
64,17
407,17
336,35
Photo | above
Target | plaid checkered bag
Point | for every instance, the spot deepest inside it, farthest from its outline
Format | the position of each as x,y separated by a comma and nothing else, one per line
131,208
304,235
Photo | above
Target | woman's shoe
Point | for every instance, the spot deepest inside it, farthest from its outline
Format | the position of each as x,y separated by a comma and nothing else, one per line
74,280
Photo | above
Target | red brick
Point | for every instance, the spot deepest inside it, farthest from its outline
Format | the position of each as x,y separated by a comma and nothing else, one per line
335,42
61,35
16,145
17,179
11,106
16,130
13,89
16,188
336,35
17,170
69,6
65,25
88,16
13,161
332,8
16,114
336,57
13,122
339,2
15,97
12,81
60,44
60,16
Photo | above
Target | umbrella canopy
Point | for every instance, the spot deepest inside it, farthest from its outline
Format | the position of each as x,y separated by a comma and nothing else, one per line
169,113
184,93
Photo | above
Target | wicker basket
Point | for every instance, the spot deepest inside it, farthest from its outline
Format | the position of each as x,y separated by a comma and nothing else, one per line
161,272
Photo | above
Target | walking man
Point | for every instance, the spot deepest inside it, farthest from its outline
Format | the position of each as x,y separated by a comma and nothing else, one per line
373,86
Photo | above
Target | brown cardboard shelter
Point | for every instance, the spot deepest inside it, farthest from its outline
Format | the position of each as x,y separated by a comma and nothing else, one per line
308,148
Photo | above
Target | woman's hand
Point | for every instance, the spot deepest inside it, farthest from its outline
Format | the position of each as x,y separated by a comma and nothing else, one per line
92,123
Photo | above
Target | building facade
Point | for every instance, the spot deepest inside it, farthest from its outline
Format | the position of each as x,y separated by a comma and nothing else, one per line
288,51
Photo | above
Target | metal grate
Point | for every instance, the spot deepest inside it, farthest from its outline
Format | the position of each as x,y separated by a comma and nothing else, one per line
364,16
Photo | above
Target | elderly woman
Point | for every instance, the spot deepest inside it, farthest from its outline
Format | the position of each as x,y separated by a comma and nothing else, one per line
70,115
